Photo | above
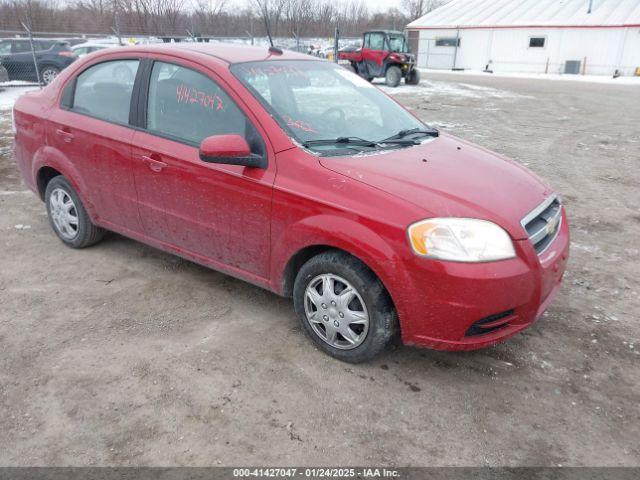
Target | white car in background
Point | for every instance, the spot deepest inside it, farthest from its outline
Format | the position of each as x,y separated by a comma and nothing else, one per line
86,48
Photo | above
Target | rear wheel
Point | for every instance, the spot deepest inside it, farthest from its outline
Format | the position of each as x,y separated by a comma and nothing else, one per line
68,217
48,74
413,78
344,307
393,76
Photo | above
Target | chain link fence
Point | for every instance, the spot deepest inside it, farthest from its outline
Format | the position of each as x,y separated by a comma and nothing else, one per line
36,58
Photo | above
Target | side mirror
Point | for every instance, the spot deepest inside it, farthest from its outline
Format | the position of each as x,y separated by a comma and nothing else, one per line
230,150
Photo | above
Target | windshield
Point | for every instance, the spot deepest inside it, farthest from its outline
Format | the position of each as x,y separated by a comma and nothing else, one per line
397,43
319,100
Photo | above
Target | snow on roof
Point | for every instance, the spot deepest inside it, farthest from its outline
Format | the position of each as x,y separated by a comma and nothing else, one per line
531,13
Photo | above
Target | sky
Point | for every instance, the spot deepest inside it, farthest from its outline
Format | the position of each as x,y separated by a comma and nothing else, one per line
382,4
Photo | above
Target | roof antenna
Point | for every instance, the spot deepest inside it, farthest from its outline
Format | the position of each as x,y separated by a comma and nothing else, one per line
590,6
266,26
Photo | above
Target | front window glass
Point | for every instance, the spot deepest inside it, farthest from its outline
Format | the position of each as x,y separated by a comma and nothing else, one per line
5,48
104,90
21,46
376,41
188,106
315,100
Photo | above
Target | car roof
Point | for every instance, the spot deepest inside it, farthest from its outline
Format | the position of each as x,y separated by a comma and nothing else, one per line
229,53
396,32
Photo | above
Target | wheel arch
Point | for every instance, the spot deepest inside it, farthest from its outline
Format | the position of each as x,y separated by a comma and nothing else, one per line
48,163
43,177
322,233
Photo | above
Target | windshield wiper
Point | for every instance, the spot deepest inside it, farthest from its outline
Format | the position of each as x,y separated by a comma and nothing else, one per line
356,141
412,131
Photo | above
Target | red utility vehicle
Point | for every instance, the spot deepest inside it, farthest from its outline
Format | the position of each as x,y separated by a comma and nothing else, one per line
385,54
300,177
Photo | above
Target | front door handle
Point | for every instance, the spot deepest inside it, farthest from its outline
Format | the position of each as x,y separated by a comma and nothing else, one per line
154,164
66,136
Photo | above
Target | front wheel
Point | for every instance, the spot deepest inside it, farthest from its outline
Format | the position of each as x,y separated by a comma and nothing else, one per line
344,307
393,76
68,217
413,78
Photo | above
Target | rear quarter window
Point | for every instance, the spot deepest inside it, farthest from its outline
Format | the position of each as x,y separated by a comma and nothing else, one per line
104,90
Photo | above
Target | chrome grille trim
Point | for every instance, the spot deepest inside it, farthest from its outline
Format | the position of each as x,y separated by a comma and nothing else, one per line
544,214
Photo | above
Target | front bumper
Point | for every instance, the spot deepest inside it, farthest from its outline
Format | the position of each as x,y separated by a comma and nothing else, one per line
446,299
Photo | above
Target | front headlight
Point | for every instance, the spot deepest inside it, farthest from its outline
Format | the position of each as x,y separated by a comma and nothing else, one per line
460,240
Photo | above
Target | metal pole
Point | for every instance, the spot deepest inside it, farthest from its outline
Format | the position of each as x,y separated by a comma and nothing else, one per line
590,6
33,53
455,52
116,30
335,46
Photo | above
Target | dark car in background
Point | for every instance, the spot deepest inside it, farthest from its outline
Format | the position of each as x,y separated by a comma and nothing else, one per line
52,57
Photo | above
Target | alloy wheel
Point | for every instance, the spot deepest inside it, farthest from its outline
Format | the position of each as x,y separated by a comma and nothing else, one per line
336,311
49,75
64,214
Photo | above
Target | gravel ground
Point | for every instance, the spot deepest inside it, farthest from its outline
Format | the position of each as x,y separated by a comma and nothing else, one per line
123,355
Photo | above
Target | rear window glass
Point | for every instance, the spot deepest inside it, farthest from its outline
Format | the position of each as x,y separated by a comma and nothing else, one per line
104,90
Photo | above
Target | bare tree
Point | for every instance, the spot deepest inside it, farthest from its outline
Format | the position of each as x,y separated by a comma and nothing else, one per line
305,18
418,8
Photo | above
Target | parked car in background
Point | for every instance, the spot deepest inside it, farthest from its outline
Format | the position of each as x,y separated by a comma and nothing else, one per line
73,41
303,178
52,57
85,48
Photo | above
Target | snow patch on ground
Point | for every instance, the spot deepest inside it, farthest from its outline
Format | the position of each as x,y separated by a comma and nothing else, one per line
9,96
450,89
542,76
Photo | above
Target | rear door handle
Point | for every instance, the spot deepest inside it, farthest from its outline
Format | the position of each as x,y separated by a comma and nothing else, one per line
154,164
66,136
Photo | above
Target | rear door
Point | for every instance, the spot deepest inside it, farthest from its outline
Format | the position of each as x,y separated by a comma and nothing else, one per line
92,129
19,61
220,213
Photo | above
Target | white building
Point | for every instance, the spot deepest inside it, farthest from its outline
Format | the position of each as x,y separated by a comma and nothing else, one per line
594,37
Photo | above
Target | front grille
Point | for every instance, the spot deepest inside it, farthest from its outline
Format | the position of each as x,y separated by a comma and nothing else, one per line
490,324
543,224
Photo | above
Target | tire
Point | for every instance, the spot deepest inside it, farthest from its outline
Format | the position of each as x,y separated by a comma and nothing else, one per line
48,74
323,319
393,76
350,67
413,78
64,208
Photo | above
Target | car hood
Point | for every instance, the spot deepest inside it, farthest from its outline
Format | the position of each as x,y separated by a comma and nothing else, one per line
450,177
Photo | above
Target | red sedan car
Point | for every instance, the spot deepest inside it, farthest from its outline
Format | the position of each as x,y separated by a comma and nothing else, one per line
298,176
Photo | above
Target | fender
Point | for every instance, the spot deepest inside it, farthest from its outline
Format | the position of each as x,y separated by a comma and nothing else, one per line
338,232
47,156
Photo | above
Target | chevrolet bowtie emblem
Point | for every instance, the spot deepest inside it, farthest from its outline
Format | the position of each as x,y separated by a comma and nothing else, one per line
552,225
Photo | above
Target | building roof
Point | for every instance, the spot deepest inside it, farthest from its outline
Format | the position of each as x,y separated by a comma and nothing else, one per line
531,13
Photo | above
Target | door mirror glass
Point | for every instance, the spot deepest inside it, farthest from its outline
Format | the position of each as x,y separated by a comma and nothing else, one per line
230,150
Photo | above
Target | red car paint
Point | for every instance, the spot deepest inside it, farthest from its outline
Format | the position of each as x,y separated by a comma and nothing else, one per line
254,223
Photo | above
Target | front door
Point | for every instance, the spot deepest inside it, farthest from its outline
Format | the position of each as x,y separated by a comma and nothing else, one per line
374,51
220,213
